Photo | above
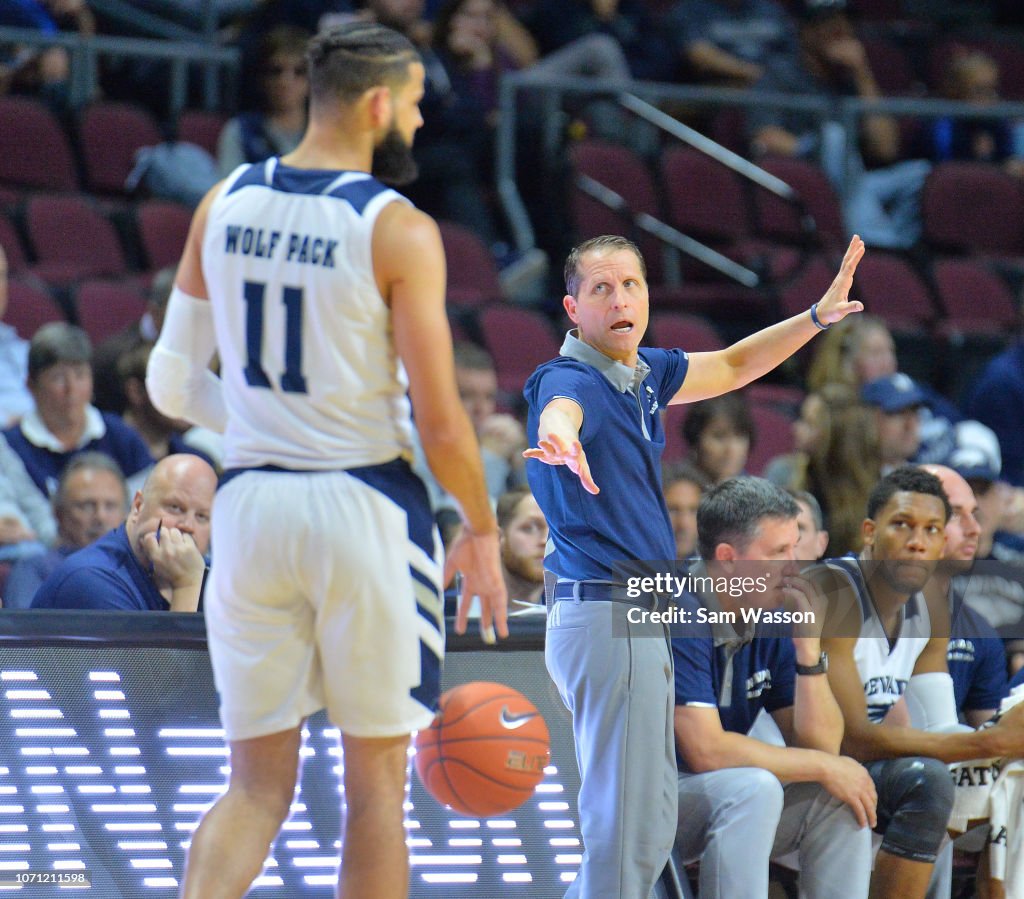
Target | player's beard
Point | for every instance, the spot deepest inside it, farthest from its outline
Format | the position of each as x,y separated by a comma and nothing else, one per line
392,160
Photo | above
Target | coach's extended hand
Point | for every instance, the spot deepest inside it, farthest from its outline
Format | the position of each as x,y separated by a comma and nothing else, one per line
835,303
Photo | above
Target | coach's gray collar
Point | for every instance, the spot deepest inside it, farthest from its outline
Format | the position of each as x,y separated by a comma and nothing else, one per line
620,376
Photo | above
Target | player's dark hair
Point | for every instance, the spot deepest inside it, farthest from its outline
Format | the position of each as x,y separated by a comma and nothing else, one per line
347,60
606,243
732,511
907,479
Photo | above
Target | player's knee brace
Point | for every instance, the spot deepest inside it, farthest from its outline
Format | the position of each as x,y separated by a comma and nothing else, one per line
921,797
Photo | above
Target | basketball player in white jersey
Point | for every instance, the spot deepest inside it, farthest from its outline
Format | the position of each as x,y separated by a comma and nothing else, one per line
320,288
901,651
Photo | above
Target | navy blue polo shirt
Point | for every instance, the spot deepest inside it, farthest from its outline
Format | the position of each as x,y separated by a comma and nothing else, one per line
623,437
976,659
103,575
738,675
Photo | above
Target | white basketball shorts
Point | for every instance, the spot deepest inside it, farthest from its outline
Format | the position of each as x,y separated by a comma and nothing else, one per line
325,592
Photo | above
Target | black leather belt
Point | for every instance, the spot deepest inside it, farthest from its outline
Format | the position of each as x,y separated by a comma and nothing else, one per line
599,591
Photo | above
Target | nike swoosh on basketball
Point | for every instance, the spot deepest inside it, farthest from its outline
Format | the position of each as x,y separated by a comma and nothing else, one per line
511,722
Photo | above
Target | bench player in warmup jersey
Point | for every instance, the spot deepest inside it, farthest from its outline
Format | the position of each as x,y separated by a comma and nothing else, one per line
322,290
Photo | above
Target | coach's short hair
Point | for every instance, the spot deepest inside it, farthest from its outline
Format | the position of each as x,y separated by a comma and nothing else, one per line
54,343
347,60
606,243
907,479
731,512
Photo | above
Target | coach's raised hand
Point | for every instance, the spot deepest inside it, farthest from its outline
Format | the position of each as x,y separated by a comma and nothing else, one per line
836,304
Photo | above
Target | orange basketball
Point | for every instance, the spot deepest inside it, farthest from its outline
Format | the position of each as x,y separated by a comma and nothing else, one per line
486,750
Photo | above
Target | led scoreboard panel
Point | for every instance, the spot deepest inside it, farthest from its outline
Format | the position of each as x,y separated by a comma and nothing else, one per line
110,750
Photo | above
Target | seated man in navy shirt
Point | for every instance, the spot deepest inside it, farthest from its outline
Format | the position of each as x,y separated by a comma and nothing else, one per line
92,499
743,800
64,422
156,559
976,657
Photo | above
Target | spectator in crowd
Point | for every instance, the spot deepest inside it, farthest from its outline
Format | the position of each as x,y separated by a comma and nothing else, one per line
842,466
855,351
91,499
731,41
276,127
64,422
742,800
994,588
27,525
44,73
15,399
809,431
163,436
901,651
524,535
997,400
897,400
813,538
107,393
976,657
972,76
628,22
502,437
861,350
682,486
720,433
156,559
882,204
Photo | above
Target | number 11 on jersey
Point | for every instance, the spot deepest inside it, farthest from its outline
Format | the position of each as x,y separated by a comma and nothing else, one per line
292,380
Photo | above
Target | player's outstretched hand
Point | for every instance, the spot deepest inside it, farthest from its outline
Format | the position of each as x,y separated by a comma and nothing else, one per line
555,451
848,780
836,304
478,559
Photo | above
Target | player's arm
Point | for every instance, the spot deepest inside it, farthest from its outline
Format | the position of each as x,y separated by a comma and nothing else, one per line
706,746
558,440
178,377
868,742
712,374
409,266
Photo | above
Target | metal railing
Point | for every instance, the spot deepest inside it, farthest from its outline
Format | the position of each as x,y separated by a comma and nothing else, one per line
643,99
219,66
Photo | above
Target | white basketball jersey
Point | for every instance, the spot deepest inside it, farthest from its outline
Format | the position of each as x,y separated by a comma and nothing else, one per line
884,670
311,377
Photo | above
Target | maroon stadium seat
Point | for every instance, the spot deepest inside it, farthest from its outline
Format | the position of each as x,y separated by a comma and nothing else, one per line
28,307
71,239
201,127
692,333
779,220
163,228
706,200
975,299
518,340
106,308
10,240
623,171
110,134
971,207
892,289
35,152
472,272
